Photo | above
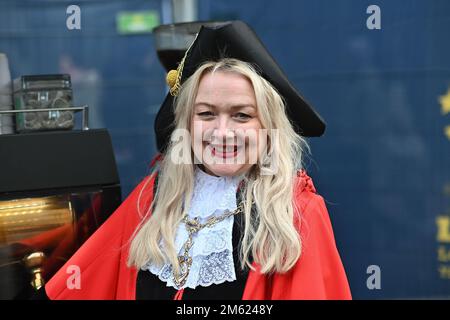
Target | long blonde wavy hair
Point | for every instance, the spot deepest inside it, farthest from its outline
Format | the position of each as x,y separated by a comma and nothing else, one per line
269,234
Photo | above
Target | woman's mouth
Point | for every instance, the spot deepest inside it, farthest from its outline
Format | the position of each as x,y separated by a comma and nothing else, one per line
224,151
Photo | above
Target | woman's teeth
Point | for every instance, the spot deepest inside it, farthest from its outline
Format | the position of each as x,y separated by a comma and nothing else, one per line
224,151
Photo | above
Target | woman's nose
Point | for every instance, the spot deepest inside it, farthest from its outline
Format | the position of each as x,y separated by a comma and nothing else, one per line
223,130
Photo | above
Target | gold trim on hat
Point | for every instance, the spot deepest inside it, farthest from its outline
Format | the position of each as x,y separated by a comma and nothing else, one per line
173,77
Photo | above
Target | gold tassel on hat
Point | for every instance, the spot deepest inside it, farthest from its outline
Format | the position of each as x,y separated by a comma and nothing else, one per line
173,77
173,82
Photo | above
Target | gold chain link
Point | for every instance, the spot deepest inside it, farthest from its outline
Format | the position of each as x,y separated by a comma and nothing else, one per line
193,226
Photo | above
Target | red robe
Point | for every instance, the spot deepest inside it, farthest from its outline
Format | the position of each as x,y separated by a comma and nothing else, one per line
318,274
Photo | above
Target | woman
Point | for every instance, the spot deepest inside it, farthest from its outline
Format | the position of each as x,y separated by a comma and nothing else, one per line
228,213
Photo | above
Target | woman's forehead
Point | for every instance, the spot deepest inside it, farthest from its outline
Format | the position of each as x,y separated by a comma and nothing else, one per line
229,87
225,104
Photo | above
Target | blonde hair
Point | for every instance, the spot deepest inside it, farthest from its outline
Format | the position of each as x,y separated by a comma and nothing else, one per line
269,234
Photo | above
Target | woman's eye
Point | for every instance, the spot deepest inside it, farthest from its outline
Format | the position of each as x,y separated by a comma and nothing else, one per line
205,114
243,116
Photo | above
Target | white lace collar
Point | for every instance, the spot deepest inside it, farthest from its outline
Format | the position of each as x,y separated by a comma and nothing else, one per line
212,194
212,252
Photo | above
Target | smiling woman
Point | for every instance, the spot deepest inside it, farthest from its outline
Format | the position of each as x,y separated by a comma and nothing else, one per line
225,106
240,219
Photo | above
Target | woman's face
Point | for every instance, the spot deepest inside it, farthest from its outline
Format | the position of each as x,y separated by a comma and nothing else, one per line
225,126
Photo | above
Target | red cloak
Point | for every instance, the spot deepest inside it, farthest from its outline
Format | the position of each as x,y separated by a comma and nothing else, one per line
103,273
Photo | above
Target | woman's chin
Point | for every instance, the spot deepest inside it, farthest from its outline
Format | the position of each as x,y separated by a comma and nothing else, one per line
225,170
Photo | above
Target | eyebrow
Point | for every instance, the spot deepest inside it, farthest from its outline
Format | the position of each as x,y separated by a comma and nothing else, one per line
236,106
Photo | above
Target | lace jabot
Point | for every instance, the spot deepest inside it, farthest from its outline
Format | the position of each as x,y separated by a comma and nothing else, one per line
212,251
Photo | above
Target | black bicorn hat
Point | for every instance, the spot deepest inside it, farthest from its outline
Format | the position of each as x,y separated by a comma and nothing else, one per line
235,39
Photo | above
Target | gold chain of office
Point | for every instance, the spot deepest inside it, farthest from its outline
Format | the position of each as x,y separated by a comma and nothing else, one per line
193,226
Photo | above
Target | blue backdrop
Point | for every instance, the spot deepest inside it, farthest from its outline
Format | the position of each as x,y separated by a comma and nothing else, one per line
383,164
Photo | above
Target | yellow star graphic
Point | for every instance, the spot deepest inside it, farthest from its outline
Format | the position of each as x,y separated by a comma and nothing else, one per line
445,103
